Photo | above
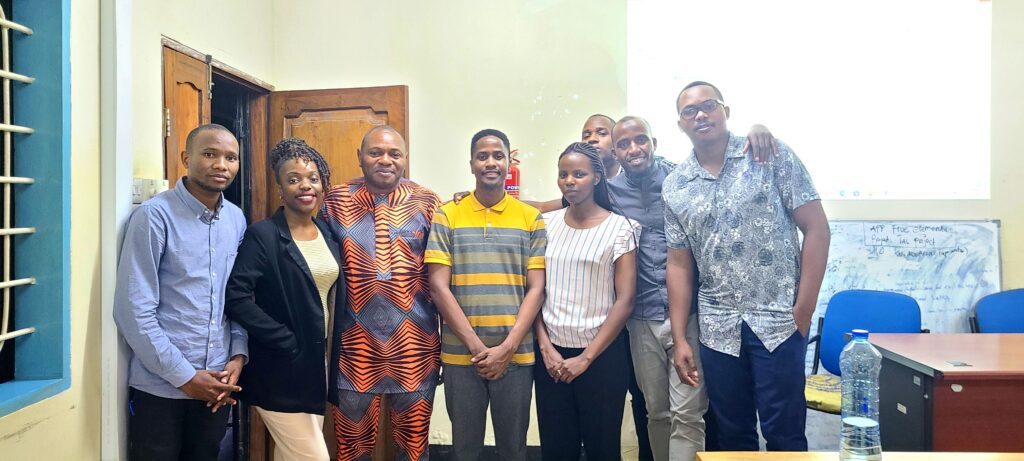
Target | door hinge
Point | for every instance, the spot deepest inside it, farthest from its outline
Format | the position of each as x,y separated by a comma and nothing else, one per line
167,122
209,76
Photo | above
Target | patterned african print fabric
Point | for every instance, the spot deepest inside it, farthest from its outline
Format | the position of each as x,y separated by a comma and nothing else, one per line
357,414
388,333
740,228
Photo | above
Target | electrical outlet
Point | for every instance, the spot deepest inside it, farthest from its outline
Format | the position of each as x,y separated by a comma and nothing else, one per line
144,189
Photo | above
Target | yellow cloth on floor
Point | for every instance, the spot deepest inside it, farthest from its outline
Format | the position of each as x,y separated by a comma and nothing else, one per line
824,393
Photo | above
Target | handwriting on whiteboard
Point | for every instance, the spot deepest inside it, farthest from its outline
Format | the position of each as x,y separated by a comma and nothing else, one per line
946,266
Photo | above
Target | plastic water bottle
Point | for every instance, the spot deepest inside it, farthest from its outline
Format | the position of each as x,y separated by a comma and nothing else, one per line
860,363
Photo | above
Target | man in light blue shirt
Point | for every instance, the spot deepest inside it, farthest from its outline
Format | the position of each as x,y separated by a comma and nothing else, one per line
177,252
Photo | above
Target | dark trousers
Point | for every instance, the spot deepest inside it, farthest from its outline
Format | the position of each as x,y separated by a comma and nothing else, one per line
587,412
711,431
162,429
758,385
639,407
467,396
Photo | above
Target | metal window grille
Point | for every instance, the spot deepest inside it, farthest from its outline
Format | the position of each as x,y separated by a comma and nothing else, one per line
8,129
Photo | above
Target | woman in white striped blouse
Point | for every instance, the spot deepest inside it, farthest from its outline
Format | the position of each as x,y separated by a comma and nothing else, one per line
591,279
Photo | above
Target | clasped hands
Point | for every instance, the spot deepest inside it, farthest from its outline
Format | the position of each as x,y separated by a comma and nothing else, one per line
215,387
564,370
492,362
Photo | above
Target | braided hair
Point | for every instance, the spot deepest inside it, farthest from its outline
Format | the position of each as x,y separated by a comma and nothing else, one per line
601,196
295,148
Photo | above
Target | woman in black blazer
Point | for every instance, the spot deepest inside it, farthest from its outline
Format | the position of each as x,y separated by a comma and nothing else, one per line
278,291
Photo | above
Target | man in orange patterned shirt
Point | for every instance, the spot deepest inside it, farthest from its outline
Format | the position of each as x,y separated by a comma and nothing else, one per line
388,333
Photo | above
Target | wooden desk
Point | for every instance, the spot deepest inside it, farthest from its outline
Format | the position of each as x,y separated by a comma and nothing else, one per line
929,401
833,456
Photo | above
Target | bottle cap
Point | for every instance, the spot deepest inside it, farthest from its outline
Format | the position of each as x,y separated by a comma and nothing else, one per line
860,334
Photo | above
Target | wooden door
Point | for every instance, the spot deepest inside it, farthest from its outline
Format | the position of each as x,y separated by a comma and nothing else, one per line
186,106
333,122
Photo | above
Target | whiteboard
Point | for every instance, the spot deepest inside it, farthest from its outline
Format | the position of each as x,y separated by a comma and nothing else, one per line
947,266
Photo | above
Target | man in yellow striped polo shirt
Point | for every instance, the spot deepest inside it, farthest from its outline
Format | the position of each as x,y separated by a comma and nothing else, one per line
485,259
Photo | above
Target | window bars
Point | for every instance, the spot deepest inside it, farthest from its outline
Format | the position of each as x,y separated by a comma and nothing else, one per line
7,284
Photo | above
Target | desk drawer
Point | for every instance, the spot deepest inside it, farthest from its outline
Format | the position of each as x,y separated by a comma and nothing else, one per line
978,414
905,408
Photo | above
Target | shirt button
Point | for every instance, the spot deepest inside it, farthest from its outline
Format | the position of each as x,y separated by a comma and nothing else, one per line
213,250
214,275
211,345
488,224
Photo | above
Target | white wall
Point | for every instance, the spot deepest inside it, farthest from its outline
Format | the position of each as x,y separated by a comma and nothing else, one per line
434,51
235,32
534,69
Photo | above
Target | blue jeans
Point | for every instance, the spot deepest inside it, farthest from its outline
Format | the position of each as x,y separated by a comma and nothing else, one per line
467,396
758,385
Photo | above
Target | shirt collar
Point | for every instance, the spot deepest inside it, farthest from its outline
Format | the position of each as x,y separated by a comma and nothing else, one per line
735,147
638,178
368,200
691,169
194,205
477,206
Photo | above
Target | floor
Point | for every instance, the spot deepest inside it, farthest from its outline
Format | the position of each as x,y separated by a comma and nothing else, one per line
822,433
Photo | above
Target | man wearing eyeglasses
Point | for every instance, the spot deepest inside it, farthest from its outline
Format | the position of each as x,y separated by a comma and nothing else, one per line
737,221
675,411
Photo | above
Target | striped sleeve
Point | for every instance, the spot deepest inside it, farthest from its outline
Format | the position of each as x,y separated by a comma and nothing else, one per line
439,244
627,238
538,243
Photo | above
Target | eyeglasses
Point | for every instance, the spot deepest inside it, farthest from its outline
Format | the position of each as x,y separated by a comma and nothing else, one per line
689,112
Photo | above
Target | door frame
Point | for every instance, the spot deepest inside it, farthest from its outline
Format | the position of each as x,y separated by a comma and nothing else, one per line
258,106
260,444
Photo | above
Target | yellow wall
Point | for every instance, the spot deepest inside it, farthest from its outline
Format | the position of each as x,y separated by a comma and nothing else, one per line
67,426
235,32
533,69
1007,201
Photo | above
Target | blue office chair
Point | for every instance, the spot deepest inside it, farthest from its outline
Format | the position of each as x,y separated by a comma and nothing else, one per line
1001,312
875,311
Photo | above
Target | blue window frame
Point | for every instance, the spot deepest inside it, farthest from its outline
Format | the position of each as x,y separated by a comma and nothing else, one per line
42,359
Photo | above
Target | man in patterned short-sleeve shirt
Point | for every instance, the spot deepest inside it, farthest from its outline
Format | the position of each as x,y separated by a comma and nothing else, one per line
737,220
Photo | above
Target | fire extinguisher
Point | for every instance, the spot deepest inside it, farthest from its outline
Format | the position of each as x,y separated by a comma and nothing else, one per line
512,176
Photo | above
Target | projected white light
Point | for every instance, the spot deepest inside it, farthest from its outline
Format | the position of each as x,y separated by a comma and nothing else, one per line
881,99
